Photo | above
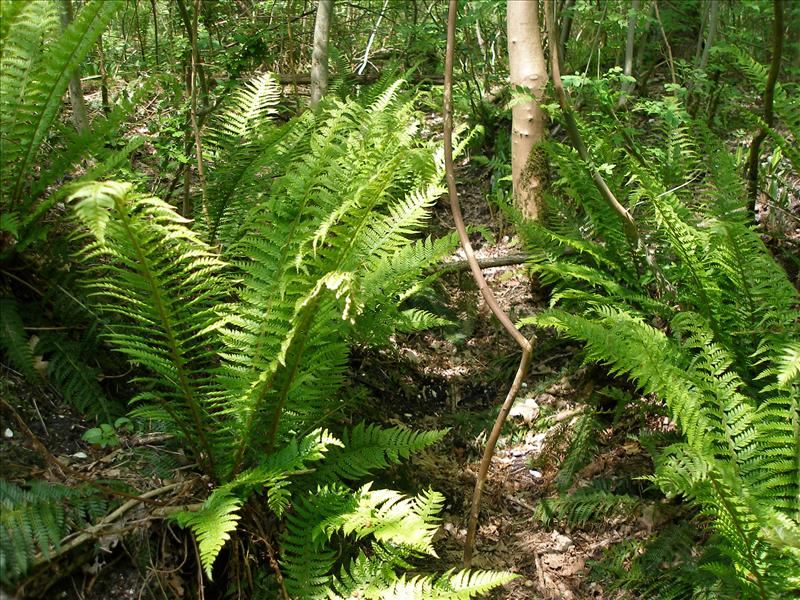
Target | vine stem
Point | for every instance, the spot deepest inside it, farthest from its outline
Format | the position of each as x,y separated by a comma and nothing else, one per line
480,280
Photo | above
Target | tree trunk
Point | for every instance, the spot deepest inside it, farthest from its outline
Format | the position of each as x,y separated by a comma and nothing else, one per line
528,70
155,30
633,15
713,19
79,117
319,57
769,115
101,62
566,27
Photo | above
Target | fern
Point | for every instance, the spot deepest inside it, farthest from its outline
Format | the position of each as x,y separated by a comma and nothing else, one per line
15,341
212,525
36,519
164,296
583,442
585,506
721,355
461,584
240,334
368,448
29,121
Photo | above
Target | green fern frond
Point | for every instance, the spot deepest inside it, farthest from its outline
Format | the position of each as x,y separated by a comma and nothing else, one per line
788,369
163,298
250,108
49,81
35,520
449,586
75,379
585,506
388,516
368,448
14,341
212,524
582,443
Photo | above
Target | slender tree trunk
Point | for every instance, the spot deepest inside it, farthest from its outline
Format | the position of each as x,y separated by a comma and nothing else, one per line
566,27
101,61
769,116
319,57
713,19
201,74
139,32
155,30
701,36
528,70
633,15
79,117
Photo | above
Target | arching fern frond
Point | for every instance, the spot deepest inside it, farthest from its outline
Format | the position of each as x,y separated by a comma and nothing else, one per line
42,96
163,298
212,525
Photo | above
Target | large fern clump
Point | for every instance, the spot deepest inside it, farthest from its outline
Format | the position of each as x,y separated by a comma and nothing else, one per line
38,286
240,325
718,346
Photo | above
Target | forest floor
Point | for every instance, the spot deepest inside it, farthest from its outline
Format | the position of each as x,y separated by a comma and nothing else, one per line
457,377
454,377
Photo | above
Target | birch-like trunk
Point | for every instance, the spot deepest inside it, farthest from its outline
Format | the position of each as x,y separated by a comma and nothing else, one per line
319,57
528,70
79,117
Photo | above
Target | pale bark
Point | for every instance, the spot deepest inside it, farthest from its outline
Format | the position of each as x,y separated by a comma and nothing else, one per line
527,70
633,15
713,19
319,57
79,117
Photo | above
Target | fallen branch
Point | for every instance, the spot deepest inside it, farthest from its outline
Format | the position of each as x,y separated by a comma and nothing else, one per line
96,530
484,263
484,288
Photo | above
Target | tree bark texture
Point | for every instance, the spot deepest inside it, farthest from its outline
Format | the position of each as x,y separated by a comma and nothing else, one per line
319,57
528,70
769,115
79,117
633,15
713,19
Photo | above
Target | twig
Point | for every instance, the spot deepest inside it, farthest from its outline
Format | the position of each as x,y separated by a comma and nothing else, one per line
670,60
372,39
65,470
484,288
93,531
629,225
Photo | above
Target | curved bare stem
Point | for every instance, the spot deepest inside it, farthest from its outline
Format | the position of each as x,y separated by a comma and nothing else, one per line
484,288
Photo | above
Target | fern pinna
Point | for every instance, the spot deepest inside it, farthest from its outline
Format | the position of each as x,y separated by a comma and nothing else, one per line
720,348
242,345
